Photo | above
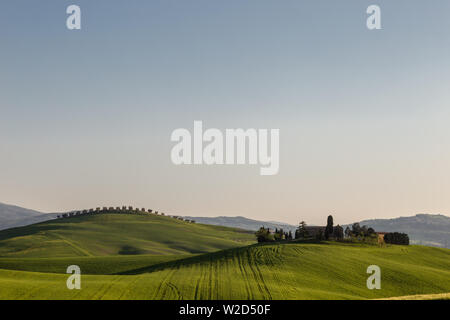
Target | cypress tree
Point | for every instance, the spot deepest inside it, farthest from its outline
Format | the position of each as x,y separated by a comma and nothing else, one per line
329,227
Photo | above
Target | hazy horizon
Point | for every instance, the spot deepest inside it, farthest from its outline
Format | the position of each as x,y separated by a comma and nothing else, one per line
229,215
86,116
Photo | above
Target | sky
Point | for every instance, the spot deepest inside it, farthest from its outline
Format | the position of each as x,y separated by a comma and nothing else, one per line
86,115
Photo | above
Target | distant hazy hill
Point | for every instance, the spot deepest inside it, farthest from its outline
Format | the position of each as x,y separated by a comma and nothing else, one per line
13,216
243,223
425,229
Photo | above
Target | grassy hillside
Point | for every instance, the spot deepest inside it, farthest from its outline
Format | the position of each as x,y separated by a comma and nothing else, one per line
274,271
117,234
90,265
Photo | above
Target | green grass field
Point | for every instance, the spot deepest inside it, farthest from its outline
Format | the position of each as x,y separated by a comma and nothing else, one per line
272,271
117,234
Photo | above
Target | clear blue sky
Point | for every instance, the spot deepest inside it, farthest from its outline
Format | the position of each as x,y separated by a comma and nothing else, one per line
86,116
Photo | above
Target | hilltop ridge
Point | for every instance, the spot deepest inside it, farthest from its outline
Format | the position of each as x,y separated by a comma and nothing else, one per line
118,234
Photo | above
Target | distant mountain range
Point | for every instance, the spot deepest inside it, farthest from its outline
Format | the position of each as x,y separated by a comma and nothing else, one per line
243,223
13,216
424,229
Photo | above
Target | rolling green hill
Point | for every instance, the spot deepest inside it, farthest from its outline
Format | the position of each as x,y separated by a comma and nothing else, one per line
103,265
275,271
125,256
117,234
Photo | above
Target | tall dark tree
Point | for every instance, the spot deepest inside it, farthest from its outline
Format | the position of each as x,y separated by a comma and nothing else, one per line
347,232
396,238
264,235
261,234
301,231
329,227
364,231
339,232
278,234
356,228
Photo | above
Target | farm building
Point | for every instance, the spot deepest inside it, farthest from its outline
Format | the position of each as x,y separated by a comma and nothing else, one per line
381,236
315,230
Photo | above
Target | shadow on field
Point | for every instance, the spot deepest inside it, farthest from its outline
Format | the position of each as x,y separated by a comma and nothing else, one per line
203,258
130,250
32,229
208,257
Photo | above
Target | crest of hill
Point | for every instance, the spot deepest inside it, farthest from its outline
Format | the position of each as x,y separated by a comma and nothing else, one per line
118,234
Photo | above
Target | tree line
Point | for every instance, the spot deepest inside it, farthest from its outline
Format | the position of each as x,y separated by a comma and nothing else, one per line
265,235
330,232
396,238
